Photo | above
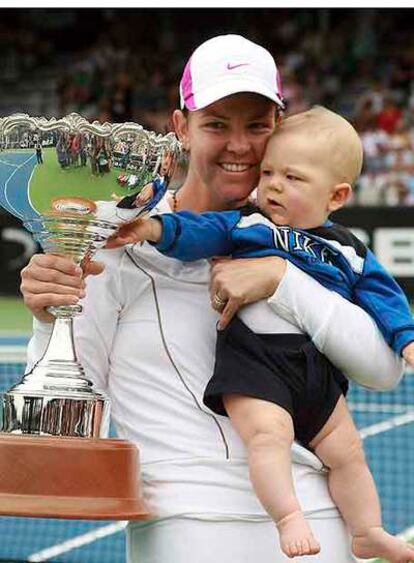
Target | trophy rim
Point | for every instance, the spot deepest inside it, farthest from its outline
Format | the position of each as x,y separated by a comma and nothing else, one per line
73,508
76,123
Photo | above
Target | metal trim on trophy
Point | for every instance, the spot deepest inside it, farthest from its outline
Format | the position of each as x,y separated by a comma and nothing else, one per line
73,184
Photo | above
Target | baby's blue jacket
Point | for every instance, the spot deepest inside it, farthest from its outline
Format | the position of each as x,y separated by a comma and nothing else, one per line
331,254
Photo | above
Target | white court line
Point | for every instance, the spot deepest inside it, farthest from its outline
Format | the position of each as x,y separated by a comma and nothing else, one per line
407,534
99,533
9,163
388,424
373,430
28,190
8,180
77,541
380,407
13,353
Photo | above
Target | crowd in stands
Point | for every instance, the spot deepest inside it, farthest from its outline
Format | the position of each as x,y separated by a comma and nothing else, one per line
123,65
387,134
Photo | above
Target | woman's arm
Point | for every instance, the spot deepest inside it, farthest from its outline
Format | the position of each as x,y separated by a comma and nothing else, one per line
342,331
36,348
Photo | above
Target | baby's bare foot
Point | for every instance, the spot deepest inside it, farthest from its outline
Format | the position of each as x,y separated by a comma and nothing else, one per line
376,542
296,537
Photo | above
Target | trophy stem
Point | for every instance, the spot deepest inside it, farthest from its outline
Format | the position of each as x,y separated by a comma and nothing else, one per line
61,345
55,398
59,368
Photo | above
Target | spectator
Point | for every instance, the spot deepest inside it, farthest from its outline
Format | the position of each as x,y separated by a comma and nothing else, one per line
115,72
39,155
389,116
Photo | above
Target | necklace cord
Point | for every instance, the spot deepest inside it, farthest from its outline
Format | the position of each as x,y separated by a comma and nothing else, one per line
175,202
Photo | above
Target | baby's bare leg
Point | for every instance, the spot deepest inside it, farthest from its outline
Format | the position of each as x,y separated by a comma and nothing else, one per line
353,489
267,431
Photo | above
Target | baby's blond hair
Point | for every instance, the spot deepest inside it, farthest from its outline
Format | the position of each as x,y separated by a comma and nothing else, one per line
343,145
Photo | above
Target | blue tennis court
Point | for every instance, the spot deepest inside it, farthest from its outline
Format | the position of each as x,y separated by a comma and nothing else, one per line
16,171
386,421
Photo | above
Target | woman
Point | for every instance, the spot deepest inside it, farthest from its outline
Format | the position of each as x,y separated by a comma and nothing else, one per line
147,334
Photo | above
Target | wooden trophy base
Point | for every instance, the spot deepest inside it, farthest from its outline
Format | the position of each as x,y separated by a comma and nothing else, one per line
60,477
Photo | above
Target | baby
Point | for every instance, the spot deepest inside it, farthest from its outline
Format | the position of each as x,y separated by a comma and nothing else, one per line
275,387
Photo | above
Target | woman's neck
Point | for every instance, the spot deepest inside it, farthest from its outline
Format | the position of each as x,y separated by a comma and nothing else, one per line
193,200
194,196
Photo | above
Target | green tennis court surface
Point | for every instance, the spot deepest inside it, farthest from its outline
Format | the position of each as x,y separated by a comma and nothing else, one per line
29,186
14,317
50,179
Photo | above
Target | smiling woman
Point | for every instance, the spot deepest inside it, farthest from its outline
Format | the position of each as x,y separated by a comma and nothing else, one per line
148,333
231,96
226,141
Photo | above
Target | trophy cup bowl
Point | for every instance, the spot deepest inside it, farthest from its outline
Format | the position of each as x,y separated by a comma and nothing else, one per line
73,184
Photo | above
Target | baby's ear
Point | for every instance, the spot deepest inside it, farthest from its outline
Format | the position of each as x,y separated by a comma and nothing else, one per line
339,196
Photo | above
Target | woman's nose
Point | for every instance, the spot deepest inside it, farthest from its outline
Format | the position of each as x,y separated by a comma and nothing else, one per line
238,143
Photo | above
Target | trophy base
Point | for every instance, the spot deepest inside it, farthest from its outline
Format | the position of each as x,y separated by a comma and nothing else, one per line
74,478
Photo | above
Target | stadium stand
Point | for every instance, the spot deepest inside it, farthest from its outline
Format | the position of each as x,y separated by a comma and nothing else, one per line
120,65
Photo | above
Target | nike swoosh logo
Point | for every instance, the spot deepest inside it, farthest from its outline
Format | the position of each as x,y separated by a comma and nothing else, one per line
232,67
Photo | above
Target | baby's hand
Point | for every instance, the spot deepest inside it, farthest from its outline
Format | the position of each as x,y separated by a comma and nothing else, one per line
408,354
137,231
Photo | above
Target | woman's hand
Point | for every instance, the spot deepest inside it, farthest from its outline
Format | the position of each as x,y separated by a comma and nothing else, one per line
52,280
240,281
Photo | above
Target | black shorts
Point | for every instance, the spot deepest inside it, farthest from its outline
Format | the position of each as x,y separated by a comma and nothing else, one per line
285,369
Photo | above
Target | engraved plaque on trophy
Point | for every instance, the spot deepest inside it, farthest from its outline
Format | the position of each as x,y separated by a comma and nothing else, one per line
72,183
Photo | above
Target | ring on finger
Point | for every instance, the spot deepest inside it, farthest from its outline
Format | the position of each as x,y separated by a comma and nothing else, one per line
218,302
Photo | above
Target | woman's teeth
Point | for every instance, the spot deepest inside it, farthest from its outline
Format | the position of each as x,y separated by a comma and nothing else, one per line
229,167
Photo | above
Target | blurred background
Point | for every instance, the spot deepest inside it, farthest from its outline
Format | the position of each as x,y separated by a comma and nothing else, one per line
119,65
125,65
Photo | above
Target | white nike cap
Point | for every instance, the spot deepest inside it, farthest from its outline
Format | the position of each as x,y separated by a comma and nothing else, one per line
225,65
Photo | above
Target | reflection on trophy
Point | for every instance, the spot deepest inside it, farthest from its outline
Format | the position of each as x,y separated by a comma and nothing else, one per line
72,183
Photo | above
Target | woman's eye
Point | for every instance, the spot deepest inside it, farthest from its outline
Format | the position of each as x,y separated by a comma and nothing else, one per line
215,125
259,126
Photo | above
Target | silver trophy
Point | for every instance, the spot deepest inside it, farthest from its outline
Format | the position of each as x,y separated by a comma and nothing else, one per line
73,184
